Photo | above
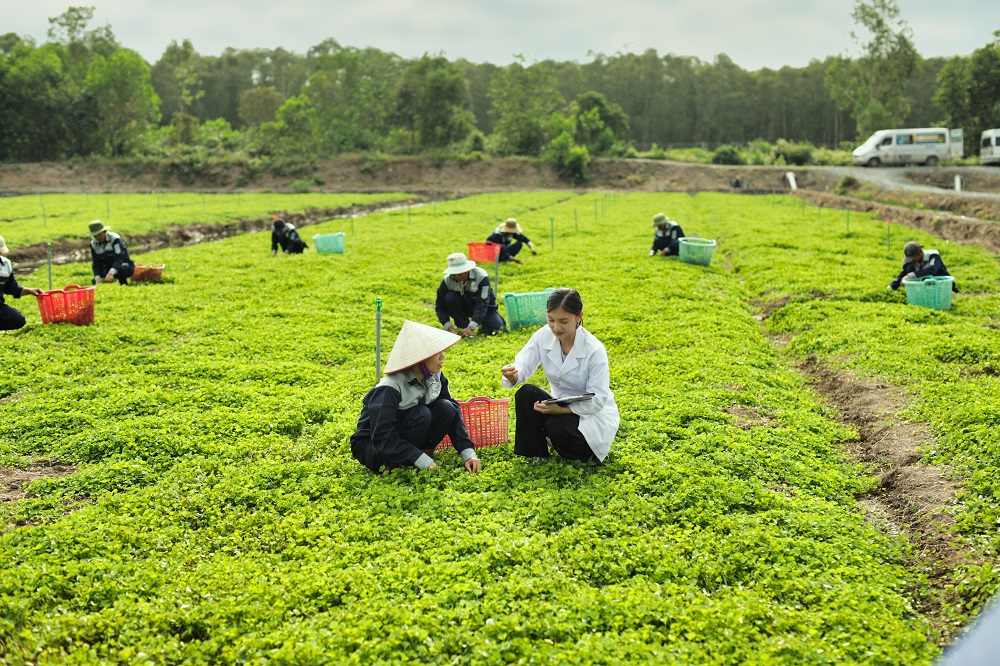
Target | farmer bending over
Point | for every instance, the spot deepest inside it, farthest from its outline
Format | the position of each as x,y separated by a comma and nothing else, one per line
666,238
287,237
465,296
10,319
410,410
918,263
108,255
510,239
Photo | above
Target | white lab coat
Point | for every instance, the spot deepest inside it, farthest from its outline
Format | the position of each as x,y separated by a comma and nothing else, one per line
585,370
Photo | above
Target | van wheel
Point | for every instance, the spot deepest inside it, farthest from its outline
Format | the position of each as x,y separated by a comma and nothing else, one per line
874,162
931,161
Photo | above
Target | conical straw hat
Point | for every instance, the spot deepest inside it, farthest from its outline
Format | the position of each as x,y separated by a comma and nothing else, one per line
416,342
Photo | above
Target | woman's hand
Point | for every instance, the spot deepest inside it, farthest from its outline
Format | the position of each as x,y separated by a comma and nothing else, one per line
546,408
473,465
31,291
509,373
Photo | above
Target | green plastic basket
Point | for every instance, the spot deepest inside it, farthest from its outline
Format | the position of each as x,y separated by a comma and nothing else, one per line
329,243
697,251
929,292
526,309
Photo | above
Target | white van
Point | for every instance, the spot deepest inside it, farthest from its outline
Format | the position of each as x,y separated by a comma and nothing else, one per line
922,145
989,153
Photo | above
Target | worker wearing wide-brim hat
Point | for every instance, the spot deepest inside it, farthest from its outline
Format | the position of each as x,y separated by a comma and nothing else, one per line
10,319
510,237
109,257
466,302
918,263
667,237
410,410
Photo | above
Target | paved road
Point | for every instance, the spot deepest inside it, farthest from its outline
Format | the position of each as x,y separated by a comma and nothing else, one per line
895,178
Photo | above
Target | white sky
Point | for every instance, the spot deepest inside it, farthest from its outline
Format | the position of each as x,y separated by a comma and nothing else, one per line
754,33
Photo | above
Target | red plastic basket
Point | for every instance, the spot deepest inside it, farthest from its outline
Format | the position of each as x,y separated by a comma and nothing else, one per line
148,273
484,253
485,419
72,305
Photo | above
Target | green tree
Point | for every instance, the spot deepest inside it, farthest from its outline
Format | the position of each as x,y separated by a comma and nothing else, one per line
432,101
873,87
969,92
525,105
601,126
35,95
259,105
126,102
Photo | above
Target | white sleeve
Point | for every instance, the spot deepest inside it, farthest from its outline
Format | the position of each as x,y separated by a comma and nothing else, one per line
526,362
598,383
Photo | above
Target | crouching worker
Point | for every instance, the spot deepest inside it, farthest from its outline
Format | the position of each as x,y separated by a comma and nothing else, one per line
410,410
287,237
667,237
10,319
510,237
108,255
466,297
918,263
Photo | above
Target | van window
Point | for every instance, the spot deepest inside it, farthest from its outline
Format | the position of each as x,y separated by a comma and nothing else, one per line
930,138
986,142
903,139
887,141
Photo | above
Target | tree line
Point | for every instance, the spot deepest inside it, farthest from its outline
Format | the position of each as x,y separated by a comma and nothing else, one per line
82,93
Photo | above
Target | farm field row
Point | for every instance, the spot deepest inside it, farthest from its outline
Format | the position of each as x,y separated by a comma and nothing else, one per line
215,513
29,219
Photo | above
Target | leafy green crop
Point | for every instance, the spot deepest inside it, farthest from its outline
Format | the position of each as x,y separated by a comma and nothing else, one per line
36,219
216,514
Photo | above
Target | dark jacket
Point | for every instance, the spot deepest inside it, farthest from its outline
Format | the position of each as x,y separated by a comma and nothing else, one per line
500,238
111,254
930,264
477,296
289,241
8,284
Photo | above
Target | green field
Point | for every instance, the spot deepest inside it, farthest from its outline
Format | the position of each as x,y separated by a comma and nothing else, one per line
29,219
216,514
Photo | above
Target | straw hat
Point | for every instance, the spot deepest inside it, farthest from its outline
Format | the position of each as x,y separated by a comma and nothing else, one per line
457,263
415,343
660,218
97,227
510,226
3,247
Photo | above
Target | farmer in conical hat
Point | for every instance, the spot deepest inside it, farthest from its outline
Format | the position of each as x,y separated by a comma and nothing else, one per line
667,237
10,319
510,237
108,255
410,410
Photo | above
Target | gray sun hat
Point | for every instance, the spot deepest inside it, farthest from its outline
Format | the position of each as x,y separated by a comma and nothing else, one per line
457,263
660,218
911,249
97,227
4,251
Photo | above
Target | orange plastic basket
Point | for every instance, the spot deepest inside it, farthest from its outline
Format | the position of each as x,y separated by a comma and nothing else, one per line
484,253
72,305
148,273
485,419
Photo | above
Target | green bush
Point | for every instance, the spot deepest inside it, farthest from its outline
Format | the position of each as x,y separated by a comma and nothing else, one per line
302,186
728,154
798,154
655,153
570,160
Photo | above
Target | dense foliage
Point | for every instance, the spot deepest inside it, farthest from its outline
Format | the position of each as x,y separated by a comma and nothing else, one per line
81,93
216,515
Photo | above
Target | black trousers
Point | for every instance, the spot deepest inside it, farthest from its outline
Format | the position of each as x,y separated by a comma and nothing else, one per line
421,427
461,313
665,243
532,429
508,252
128,268
10,319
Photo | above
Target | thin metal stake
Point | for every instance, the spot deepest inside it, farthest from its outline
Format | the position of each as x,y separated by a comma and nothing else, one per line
50,266
552,230
378,338
576,220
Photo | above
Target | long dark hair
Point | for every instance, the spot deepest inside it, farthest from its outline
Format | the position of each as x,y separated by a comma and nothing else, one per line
567,299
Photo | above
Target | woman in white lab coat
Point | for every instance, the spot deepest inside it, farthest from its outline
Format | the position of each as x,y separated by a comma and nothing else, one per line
575,363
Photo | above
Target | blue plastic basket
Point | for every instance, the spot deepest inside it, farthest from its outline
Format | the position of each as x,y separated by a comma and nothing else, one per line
696,251
929,292
329,243
526,309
